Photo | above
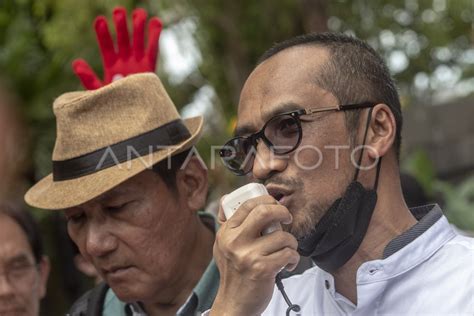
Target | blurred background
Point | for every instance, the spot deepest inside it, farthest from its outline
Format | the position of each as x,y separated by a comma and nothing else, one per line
207,50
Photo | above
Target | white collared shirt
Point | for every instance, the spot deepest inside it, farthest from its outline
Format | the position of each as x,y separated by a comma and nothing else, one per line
433,274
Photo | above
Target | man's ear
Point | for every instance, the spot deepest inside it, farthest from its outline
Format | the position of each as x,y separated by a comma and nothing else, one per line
382,130
192,183
44,268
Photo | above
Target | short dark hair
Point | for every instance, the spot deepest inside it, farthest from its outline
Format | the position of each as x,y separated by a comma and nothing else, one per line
168,168
27,223
355,73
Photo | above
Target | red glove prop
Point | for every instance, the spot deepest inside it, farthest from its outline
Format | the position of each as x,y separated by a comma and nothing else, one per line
129,59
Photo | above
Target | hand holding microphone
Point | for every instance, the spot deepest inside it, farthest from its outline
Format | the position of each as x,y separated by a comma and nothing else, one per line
250,250
232,201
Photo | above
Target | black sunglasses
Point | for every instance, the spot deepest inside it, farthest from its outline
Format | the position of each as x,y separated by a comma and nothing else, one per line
282,134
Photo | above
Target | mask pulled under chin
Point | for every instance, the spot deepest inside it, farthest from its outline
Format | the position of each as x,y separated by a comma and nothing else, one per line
339,233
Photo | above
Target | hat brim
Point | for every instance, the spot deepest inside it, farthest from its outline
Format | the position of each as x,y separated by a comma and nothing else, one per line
56,195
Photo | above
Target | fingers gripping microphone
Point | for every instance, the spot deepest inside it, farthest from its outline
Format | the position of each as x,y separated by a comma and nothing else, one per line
230,204
234,200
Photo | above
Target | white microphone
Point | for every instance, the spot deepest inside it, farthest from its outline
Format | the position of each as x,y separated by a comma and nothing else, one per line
234,200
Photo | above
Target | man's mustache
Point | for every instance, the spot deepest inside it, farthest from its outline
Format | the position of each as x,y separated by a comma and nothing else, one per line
290,183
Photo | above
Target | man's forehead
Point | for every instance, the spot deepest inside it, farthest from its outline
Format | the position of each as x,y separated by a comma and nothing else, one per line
123,190
290,66
284,82
114,193
13,240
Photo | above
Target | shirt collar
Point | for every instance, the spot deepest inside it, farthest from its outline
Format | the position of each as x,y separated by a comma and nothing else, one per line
427,216
206,289
135,309
409,249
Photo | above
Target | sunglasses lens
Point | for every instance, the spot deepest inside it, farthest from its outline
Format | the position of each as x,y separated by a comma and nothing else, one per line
237,156
284,133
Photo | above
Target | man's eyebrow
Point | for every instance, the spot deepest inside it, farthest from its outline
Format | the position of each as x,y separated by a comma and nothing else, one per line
113,195
243,130
278,109
281,108
107,196
19,259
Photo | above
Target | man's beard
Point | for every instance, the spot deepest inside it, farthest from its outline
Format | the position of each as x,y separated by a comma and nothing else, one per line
314,208
308,218
304,219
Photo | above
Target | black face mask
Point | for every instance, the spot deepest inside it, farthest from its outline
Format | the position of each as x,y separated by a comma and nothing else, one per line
339,233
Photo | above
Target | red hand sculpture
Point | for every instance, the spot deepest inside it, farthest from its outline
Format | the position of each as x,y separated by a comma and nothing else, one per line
129,59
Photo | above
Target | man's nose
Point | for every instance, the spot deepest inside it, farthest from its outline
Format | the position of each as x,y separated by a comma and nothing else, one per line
99,241
266,162
6,288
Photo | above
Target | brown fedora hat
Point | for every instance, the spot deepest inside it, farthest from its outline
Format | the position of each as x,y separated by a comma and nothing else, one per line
109,135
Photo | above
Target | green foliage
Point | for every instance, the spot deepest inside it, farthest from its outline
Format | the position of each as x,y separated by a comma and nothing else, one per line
419,165
457,199
418,28
458,202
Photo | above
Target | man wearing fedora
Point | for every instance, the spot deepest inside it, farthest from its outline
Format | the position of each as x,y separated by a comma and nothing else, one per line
132,195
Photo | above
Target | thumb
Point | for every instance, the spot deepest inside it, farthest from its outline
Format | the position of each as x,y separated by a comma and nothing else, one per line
86,75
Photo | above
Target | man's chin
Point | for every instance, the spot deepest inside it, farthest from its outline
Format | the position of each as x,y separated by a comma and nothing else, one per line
306,219
134,291
298,234
127,290
126,293
300,227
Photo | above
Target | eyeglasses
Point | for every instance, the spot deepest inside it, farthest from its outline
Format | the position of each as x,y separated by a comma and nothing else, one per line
282,134
20,274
